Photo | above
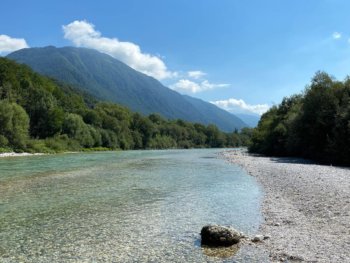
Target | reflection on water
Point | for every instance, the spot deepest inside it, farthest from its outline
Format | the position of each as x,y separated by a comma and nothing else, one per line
222,252
136,206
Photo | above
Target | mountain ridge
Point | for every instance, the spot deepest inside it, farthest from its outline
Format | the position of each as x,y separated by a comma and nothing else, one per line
109,79
211,112
251,119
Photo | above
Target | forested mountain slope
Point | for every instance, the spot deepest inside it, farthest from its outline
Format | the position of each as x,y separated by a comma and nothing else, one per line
38,114
109,79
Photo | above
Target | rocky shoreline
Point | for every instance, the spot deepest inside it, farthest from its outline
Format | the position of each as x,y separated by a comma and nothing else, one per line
306,207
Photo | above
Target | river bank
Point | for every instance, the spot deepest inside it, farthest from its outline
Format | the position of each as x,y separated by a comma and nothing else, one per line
306,207
13,154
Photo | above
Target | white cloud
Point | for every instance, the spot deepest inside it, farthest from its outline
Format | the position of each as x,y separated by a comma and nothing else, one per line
336,35
83,34
186,85
234,105
9,44
206,85
196,74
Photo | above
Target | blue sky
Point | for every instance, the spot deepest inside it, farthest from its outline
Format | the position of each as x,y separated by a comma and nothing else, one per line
243,55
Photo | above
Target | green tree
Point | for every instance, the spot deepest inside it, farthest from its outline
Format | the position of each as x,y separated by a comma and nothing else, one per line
320,106
215,138
144,127
76,128
14,124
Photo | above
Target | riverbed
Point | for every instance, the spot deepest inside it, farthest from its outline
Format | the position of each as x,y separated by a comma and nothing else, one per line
132,206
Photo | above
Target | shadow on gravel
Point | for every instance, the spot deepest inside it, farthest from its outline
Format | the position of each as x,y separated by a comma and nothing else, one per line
295,160
291,160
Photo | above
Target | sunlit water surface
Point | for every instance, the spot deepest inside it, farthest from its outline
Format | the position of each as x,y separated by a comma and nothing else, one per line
133,206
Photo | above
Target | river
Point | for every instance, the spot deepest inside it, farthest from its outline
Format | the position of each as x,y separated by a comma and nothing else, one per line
131,206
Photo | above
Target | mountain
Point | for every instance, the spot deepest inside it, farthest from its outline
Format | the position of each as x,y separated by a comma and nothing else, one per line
251,119
214,113
109,79
38,114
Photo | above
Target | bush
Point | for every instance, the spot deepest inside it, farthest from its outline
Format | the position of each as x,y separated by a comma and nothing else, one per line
161,142
38,146
3,141
5,150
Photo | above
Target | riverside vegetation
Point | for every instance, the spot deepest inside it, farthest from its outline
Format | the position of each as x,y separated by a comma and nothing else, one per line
314,124
38,114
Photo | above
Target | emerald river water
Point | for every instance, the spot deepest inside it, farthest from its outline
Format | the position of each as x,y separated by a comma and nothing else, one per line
130,206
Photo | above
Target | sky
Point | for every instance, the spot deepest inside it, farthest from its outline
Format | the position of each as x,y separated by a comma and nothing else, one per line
242,55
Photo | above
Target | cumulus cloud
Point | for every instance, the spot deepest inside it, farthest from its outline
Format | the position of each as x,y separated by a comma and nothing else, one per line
84,34
336,35
196,74
9,44
185,85
240,105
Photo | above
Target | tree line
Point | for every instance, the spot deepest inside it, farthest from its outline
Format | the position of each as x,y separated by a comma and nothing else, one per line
314,124
38,114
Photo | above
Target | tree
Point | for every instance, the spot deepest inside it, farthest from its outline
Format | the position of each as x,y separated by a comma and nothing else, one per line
14,124
318,116
215,138
144,127
76,128
315,124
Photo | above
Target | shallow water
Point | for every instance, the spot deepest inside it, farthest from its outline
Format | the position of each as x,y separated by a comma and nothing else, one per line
134,206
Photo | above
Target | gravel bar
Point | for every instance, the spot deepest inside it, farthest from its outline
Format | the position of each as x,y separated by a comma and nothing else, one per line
306,207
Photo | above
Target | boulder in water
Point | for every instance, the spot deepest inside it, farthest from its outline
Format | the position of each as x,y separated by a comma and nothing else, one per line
214,235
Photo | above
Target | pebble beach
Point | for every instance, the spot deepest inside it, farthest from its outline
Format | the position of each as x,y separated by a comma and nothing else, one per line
306,207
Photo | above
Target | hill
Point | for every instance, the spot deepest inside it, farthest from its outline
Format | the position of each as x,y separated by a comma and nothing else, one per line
109,79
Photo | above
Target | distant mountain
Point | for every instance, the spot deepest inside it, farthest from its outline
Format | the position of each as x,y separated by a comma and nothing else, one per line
109,79
251,119
214,113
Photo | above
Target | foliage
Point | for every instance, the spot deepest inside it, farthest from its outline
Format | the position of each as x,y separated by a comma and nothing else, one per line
38,114
14,125
315,124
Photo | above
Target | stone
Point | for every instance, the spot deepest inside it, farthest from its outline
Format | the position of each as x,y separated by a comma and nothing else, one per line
217,236
242,235
258,238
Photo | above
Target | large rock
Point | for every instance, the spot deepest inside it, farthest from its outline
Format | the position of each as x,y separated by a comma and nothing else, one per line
214,235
